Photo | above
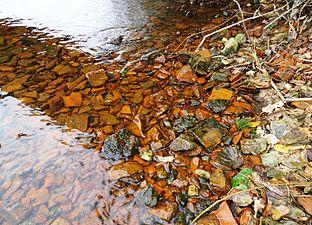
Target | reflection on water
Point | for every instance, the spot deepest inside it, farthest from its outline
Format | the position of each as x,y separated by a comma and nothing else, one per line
46,175
97,24
87,20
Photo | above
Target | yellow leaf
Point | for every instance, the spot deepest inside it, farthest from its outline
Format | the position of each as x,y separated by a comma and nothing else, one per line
255,124
281,148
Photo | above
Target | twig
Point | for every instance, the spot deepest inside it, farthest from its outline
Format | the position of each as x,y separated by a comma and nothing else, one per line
280,16
277,91
242,13
298,99
235,24
299,184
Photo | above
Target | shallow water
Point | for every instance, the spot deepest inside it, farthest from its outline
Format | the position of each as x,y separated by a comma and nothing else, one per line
96,24
47,177
44,168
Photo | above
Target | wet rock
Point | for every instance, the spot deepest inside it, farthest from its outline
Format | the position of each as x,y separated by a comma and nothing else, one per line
210,219
97,78
2,42
109,119
73,100
253,146
181,199
202,173
220,77
78,121
230,47
218,179
200,59
231,157
182,143
163,210
16,84
209,133
112,98
27,62
297,214
146,197
62,69
122,144
192,191
184,123
186,74
218,105
183,218
270,159
220,93
124,170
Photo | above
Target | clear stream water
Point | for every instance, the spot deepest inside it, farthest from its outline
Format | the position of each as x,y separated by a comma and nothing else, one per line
46,176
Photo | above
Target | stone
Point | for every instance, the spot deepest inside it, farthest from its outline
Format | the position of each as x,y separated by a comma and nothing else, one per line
78,121
62,69
112,98
231,157
186,74
192,191
253,146
218,105
230,47
125,169
279,212
270,159
243,199
182,143
221,94
146,197
183,123
220,77
200,59
97,78
163,210
120,145
73,100
218,179
209,133
109,119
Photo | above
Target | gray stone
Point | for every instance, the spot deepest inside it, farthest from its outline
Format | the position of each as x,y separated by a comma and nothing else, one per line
253,146
182,143
120,145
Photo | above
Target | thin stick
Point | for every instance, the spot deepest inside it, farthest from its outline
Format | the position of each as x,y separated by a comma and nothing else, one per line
241,11
298,99
277,91
302,184
280,16
235,24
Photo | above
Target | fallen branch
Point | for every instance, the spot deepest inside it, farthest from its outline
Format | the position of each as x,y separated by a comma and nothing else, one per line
242,13
301,184
277,91
298,99
235,24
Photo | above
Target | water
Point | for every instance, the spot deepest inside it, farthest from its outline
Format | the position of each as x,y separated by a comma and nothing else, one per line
45,172
96,24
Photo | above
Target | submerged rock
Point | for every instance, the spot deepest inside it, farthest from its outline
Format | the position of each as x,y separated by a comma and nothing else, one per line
163,210
120,145
122,170
209,133
231,157
218,179
97,78
270,159
146,197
